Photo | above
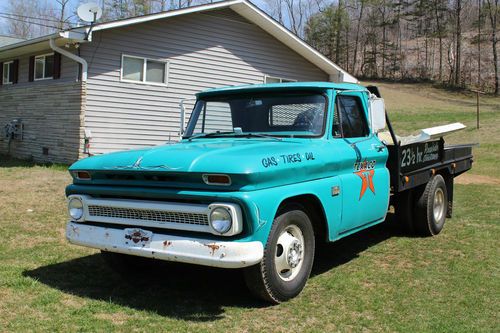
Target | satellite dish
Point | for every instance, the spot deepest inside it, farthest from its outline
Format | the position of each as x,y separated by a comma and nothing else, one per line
89,12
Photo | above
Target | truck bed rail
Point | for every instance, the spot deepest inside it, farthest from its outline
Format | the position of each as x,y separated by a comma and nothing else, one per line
413,165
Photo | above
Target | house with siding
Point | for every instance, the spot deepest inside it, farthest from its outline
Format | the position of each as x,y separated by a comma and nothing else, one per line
118,85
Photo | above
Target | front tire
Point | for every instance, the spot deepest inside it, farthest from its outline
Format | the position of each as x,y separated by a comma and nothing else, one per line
431,207
288,258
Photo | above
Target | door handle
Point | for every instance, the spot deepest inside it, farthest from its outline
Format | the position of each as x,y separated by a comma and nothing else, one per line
380,147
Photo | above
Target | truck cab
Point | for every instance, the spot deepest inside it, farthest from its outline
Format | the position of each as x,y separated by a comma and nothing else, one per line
261,175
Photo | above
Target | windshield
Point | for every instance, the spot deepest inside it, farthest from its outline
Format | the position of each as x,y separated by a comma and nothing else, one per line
277,114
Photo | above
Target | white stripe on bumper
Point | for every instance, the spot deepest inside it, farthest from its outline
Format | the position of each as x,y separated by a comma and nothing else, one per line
166,247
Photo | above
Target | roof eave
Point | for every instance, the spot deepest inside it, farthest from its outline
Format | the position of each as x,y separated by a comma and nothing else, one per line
242,7
166,14
28,42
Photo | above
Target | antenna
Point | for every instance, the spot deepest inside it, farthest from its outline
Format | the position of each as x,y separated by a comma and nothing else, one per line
89,12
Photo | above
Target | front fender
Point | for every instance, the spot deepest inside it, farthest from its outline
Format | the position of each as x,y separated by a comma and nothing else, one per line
267,202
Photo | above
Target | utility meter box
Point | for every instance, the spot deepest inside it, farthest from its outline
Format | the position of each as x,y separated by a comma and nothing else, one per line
14,129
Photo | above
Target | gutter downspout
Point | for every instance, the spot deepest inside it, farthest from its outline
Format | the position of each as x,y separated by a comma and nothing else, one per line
72,56
86,135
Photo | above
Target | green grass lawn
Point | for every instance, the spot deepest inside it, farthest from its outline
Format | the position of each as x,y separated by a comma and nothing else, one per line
377,280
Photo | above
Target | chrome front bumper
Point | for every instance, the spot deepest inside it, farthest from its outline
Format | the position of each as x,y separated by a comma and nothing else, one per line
140,242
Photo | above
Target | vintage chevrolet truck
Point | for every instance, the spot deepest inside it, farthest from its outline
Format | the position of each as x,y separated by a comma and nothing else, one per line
262,175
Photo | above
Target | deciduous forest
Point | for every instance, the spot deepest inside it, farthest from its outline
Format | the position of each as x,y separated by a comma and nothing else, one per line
453,43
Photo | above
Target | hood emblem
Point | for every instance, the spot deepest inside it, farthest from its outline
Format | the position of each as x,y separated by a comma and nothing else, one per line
137,164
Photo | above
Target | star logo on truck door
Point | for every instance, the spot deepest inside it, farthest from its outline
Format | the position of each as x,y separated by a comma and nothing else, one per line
366,181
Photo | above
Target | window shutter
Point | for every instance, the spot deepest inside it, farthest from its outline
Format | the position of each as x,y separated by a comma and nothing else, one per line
57,66
1,73
31,74
16,71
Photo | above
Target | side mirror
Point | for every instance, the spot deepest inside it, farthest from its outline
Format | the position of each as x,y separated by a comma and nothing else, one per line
182,107
377,113
182,118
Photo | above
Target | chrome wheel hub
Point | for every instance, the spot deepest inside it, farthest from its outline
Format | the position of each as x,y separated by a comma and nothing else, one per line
289,253
438,206
294,254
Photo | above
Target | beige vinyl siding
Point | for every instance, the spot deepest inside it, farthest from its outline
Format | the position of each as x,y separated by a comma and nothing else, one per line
204,50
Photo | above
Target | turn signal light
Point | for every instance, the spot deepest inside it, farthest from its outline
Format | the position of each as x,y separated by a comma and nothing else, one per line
81,175
217,179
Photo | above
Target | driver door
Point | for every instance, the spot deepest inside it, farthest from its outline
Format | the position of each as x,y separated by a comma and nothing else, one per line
364,178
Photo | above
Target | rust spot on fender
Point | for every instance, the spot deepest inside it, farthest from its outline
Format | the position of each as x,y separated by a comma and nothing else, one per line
167,243
213,247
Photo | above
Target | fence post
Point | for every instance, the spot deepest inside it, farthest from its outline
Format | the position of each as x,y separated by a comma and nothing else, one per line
477,106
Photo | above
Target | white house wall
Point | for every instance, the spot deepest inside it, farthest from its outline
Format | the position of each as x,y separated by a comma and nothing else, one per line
204,50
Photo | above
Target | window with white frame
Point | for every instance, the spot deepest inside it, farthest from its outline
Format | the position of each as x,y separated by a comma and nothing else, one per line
8,72
274,79
144,70
44,66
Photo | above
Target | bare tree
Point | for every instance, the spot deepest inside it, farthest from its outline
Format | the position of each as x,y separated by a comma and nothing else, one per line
28,19
493,13
458,42
62,13
294,14
361,5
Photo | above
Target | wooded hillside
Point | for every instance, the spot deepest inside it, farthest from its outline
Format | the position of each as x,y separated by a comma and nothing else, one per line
450,42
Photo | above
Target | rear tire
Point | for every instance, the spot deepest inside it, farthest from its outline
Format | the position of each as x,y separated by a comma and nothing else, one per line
431,207
288,258
404,211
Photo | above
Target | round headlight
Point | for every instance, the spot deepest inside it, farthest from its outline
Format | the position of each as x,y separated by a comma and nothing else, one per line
221,220
75,208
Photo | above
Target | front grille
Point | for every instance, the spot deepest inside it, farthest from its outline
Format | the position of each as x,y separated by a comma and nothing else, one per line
148,215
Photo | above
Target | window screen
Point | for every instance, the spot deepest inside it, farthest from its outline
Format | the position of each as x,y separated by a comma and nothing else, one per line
49,66
306,116
8,72
133,68
44,67
352,117
39,64
155,71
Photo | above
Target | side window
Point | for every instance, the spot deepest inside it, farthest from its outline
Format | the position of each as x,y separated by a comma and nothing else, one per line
352,117
8,72
275,79
44,67
143,70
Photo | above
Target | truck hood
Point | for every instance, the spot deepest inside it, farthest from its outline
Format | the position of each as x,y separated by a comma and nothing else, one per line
251,163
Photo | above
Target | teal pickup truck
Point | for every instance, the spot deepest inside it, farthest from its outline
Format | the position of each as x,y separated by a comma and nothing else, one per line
262,174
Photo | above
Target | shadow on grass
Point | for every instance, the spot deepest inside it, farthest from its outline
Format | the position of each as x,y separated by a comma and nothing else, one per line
331,255
187,292
175,290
